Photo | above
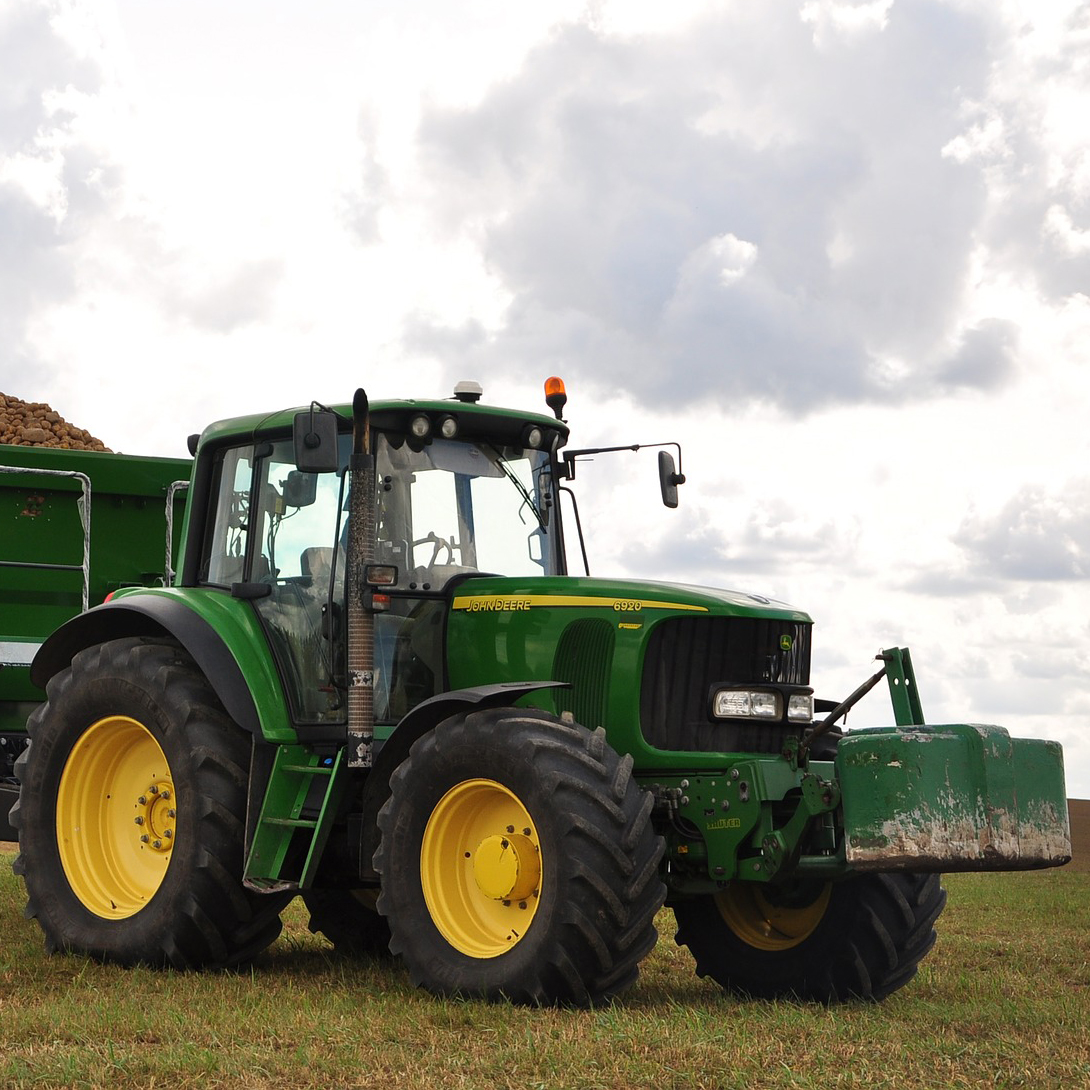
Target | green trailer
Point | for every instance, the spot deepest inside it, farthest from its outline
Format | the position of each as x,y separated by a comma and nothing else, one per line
377,683
77,526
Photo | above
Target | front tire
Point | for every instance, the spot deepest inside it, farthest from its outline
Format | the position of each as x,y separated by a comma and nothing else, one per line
131,814
858,939
518,861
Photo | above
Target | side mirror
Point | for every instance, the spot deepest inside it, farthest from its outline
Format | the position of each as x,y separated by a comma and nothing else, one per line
300,489
669,478
315,435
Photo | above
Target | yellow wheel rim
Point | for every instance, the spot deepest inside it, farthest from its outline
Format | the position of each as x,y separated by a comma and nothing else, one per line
767,926
480,868
116,817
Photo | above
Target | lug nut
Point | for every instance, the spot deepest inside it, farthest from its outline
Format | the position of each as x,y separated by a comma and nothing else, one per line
153,790
144,839
165,794
143,800
139,820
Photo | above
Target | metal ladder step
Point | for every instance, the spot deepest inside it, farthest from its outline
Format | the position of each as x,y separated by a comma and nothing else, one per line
282,855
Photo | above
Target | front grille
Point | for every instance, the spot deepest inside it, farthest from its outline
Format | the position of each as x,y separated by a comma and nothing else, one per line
688,656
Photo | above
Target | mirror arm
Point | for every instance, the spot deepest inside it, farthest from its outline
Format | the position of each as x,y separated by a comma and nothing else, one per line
571,455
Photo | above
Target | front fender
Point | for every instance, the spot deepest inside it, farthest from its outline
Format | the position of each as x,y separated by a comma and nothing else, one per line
221,633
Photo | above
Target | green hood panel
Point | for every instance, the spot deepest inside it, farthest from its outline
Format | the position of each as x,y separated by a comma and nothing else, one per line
496,594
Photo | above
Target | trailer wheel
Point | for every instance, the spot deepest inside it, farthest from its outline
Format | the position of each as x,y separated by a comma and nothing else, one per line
131,813
518,861
349,919
862,938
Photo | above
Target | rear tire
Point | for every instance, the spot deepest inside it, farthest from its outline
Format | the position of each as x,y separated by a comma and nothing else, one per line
858,939
131,814
518,861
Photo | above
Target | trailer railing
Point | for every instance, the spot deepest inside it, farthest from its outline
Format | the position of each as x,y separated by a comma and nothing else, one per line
83,504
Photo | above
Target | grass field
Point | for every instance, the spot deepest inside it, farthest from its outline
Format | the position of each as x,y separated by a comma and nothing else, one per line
1003,1001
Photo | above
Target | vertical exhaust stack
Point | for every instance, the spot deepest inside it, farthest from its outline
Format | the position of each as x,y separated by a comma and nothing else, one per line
361,620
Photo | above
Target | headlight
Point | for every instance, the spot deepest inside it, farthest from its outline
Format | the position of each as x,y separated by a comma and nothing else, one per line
746,704
800,707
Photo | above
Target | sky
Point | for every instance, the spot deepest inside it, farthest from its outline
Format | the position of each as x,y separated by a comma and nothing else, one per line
840,251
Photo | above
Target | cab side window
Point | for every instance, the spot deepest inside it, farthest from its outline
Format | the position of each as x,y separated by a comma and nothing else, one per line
225,554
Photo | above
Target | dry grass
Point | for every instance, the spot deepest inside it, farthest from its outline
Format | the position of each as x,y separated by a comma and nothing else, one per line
1003,1001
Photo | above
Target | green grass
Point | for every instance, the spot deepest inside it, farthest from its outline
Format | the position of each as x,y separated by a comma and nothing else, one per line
1004,1001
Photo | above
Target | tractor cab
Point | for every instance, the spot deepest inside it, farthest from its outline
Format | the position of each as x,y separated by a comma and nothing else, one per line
459,491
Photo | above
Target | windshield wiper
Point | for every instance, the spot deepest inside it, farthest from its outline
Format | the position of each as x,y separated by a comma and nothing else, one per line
522,489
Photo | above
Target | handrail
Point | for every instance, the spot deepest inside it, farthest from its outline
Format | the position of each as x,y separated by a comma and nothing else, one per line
84,506
172,491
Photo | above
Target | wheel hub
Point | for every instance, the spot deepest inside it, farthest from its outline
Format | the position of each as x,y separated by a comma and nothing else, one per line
766,925
506,867
156,816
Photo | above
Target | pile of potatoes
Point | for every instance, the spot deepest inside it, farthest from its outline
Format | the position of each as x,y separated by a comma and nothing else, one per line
35,424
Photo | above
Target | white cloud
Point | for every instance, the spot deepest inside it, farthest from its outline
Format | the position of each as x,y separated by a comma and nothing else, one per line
836,20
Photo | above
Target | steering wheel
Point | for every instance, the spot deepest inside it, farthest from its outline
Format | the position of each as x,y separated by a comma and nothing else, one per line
440,543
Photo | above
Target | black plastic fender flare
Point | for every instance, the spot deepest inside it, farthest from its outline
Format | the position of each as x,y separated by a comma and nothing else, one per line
426,715
153,616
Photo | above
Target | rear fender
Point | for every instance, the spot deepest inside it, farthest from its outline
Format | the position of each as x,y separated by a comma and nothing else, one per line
222,635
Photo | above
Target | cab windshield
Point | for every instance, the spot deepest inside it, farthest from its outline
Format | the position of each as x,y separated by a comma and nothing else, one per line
452,507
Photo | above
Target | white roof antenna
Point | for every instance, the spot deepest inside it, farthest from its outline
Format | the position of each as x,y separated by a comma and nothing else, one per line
468,391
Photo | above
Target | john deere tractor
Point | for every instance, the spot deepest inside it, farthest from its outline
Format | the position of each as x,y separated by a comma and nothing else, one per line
376,685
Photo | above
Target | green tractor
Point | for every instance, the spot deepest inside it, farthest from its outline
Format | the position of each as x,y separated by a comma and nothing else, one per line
375,685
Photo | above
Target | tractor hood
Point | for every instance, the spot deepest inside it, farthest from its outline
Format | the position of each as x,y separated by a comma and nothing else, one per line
496,594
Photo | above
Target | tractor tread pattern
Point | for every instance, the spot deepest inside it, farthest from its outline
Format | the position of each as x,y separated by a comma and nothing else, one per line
586,941
202,916
877,929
